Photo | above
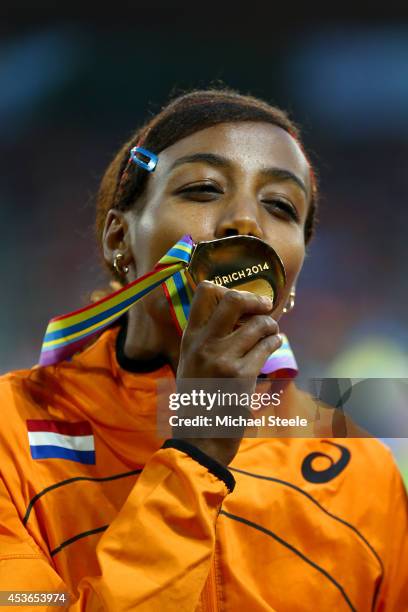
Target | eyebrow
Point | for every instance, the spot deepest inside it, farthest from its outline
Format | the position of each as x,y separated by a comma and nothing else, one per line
222,162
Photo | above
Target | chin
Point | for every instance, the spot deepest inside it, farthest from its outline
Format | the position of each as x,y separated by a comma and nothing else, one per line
157,308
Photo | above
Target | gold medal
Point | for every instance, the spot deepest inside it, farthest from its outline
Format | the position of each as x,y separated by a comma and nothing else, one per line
244,263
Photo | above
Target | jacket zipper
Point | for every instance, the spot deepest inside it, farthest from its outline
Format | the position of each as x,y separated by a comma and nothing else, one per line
210,591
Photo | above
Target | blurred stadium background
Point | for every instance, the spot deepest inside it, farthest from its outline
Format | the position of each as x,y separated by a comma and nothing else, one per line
73,89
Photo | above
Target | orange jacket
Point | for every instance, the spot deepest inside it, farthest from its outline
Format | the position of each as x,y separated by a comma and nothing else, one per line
134,526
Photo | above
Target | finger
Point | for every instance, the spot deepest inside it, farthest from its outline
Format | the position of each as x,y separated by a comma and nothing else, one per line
233,306
256,357
247,335
206,298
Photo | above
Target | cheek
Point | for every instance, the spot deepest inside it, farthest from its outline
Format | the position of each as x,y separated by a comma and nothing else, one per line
293,260
152,234
292,253
159,227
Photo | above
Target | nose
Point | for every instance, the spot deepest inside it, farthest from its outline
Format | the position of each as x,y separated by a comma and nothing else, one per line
238,218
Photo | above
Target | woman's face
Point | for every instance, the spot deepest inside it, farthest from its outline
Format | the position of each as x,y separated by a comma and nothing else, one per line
229,179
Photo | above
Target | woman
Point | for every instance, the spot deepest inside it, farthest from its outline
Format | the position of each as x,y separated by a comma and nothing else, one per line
136,522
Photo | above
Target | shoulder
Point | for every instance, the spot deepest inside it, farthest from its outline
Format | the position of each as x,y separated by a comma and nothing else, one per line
14,387
352,475
23,396
42,385
23,387
372,460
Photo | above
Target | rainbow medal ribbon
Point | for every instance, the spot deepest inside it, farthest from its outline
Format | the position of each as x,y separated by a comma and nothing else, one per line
68,334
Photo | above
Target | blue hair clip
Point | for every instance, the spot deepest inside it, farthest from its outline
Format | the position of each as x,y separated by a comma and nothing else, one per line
151,158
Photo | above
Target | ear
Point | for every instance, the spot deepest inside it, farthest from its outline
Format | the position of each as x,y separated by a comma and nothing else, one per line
115,238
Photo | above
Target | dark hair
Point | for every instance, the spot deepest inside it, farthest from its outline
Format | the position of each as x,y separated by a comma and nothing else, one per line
123,182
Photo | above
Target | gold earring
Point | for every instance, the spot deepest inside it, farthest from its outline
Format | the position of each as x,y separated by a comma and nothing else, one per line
291,301
118,265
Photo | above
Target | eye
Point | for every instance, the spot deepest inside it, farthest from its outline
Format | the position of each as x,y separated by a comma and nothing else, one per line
282,207
201,192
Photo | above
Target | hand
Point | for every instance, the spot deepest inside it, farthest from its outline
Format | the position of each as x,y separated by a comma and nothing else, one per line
229,334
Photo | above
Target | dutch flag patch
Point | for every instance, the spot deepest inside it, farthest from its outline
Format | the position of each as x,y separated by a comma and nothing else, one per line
61,440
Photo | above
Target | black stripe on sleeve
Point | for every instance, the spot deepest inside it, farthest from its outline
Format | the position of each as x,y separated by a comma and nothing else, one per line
213,466
273,535
71,480
84,534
